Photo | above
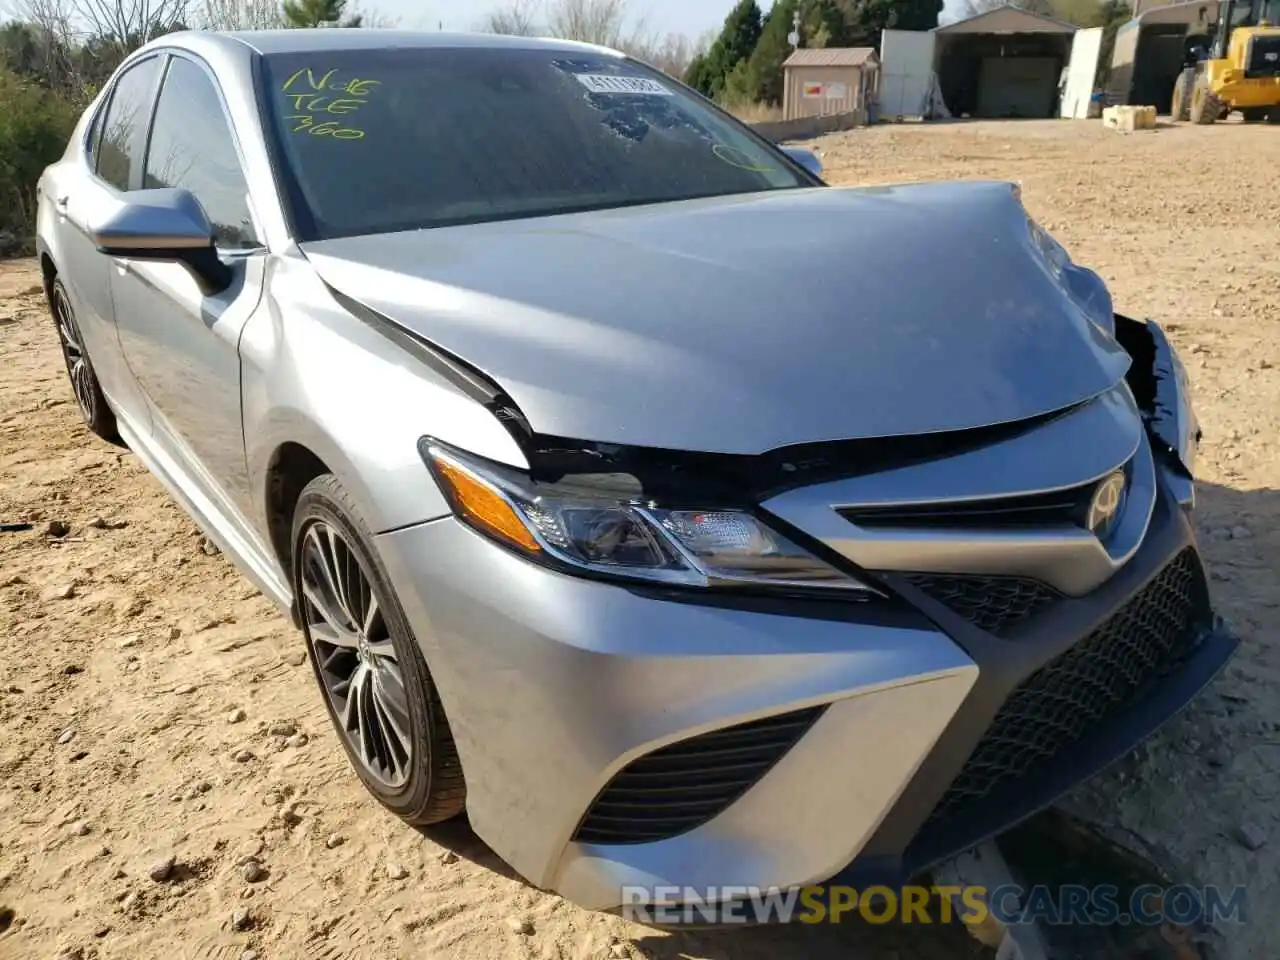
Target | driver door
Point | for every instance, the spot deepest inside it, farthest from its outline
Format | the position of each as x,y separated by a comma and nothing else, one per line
181,345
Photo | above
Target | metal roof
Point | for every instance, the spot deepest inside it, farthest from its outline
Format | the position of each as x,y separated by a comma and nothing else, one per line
830,57
1008,19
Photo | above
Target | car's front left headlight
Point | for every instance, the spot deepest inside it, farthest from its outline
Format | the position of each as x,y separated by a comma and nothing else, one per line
604,525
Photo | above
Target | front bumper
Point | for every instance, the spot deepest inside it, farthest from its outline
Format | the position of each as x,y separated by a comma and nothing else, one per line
575,703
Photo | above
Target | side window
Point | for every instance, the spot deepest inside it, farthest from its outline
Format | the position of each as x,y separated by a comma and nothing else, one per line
191,147
124,124
93,139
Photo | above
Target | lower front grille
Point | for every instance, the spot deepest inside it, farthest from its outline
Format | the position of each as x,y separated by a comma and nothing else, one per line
994,604
1060,703
682,786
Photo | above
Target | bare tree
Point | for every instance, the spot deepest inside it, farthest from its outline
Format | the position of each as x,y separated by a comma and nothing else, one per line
240,15
518,18
972,8
590,21
123,25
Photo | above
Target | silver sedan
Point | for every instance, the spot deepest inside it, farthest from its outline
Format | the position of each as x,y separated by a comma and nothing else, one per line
684,520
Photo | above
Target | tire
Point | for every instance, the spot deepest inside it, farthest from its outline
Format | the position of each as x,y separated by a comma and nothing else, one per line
420,780
1181,105
1254,114
1205,107
85,387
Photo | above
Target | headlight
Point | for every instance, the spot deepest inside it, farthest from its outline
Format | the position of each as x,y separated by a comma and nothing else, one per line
604,525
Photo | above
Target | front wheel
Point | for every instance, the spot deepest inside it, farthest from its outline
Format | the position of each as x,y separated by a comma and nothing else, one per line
1205,107
1181,106
380,696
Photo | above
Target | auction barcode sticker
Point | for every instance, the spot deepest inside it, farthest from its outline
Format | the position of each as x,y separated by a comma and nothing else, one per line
608,83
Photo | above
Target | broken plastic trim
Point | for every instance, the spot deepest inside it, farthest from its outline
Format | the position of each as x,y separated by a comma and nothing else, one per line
1162,391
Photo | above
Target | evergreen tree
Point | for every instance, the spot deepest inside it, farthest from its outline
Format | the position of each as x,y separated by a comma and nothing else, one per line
762,77
736,41
312,13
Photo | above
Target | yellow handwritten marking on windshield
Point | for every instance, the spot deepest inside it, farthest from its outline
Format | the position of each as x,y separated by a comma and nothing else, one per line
738,158
310,95
330,128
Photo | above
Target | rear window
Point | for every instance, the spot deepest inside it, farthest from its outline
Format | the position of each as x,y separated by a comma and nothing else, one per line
383,140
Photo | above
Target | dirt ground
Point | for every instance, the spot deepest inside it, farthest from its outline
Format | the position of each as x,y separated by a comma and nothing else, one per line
127,651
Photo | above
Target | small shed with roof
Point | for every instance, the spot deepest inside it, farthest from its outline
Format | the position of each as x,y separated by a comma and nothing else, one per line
821,81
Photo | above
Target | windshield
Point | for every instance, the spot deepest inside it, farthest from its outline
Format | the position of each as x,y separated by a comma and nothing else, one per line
382,140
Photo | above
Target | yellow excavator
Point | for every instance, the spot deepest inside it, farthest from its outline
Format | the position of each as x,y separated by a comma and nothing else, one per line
1240,70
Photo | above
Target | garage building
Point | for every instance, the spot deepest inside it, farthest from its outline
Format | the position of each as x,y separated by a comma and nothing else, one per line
1002,63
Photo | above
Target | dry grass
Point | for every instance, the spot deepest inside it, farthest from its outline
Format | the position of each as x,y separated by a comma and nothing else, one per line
755,112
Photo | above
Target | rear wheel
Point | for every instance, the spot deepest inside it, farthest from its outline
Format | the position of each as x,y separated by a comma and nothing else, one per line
1254,114
380,696
1205,107
84,382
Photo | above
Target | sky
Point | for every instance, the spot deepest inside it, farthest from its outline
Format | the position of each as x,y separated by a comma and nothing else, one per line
690,17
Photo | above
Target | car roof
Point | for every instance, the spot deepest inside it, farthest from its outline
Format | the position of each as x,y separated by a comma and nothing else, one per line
360,38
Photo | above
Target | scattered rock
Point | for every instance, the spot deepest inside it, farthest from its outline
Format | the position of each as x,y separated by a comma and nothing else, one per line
71,669
185,689
250,851
126,643
161,870
175,633
519,925
1240,532
203,786
67,735
282,728
298,740
241,919
296,658
237,715
396,871
79,829
448,857
1251,836
289,814
253,871
619,950
64,592
335,840
209,548
56,528
111,523
249,955
1264,364
242,756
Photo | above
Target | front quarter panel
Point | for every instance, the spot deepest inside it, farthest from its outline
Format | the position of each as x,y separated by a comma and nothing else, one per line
315,375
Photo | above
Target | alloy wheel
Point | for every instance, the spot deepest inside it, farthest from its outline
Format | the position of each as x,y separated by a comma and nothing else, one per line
355,658
73,353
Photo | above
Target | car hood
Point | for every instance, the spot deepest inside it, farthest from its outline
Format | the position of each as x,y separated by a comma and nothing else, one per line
746,323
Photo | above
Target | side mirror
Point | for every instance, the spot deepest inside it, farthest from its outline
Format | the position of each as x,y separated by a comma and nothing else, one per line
164,224
806,158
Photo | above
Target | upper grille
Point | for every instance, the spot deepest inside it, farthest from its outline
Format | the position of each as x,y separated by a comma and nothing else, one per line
1058,704
1057,508
994,604
1264,57
682,786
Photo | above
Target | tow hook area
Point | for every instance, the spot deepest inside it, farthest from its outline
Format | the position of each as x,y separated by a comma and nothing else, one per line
1013,894
984,867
